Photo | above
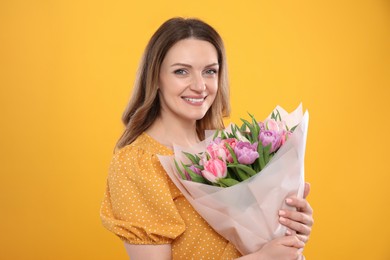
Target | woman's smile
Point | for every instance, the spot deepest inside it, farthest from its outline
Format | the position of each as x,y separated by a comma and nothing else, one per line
196,101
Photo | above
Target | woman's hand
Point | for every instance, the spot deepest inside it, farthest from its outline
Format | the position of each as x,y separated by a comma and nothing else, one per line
286,248
301,220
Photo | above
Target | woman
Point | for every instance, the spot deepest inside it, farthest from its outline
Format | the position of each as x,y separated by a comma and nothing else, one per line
181,90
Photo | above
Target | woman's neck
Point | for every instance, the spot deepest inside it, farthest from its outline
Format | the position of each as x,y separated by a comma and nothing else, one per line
173,131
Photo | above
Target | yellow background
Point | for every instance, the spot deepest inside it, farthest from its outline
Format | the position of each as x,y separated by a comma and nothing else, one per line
66,71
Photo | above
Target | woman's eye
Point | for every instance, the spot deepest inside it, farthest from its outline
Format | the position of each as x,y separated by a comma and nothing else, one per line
211,71
180,72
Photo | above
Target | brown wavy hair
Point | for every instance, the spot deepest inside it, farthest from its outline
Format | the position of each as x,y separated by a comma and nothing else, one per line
144,105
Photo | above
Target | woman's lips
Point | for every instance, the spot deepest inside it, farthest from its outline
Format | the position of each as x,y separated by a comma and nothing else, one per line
194,100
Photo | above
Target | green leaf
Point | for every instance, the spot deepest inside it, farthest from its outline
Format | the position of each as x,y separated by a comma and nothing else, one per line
260,150
232,173
255,123
193,159
249,125
256,165
200,167
215,134
220,184
266,153
243,128
194,177
242,174
292,129
273,115
245,168
231,135
234,130
182,175
276,116
256,129
231,152
228,182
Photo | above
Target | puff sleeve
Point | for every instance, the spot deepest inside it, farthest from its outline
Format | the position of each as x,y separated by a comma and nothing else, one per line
138,205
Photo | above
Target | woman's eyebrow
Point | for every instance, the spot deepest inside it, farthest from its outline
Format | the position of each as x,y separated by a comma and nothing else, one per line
181,65
189,66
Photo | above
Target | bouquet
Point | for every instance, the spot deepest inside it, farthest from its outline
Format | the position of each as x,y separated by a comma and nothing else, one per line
238,178
236,153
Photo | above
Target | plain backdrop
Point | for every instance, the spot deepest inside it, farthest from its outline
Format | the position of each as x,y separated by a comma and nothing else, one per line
66,73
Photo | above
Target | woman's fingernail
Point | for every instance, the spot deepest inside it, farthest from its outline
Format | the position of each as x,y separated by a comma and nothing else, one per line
288,232
282,212
282,219
289,200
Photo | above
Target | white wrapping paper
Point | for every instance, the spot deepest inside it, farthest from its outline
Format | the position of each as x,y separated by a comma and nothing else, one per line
246,214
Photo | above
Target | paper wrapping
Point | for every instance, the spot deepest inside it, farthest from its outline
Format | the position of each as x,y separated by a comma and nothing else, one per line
246,214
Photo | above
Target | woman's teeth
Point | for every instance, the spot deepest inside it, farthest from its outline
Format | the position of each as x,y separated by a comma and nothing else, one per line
195,100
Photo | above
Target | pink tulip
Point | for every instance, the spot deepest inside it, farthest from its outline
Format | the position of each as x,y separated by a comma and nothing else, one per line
217,149
232,142
261,125
272,125
285,136
214,169
282,126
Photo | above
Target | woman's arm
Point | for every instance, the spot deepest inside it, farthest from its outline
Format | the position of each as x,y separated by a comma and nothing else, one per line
158,252
287,247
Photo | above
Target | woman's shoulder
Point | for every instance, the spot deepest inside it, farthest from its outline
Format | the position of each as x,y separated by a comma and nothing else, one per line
140,154
138,162
144,144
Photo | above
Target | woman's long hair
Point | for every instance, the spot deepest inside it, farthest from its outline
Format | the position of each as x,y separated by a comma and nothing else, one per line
144,105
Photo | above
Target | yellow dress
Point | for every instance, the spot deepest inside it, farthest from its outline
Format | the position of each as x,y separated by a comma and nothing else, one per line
142,206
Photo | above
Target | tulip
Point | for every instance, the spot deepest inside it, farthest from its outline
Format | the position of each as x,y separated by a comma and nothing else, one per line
282,126
272,125
285,136
217,149
270,137
246,152
232,143
214,169
261,126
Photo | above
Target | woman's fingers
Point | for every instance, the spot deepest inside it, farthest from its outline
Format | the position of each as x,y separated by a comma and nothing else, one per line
291,241
306,190
303,238
299,221
297,216
287,247
300,228
301,204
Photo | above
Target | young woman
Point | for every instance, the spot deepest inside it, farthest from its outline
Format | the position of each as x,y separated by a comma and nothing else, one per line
181,90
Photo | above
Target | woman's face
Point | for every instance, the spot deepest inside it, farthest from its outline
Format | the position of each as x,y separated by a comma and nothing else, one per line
188,80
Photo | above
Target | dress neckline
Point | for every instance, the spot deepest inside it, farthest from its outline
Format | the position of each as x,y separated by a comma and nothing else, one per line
157,143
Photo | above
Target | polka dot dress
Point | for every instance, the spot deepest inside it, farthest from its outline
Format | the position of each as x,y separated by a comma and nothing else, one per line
142,206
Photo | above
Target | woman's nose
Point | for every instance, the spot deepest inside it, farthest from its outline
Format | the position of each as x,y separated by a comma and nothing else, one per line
198,83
